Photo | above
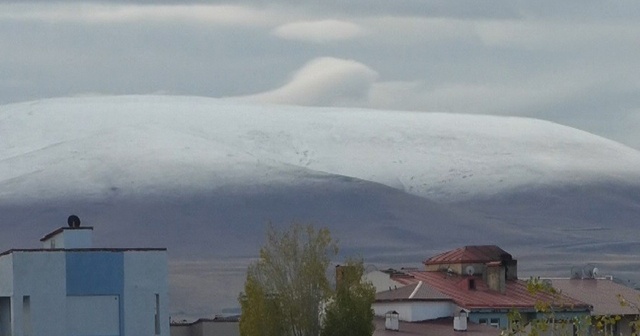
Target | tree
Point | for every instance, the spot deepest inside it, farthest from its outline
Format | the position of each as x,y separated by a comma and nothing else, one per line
349,312
287,286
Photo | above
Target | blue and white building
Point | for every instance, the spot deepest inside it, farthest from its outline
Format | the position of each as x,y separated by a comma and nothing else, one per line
70,288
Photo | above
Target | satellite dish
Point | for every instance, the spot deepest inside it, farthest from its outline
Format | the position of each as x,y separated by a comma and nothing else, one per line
73,221
576,273
587,271
470,270
595,272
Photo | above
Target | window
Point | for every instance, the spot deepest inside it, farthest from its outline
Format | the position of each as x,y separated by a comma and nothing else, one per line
26,315
5,316
494,322
157,315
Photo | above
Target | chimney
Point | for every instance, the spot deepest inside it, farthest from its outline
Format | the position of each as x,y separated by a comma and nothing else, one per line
391,321
460,320
71,237
342,275
495,276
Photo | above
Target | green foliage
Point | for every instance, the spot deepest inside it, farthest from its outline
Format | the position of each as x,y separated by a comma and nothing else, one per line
349,312
546,321
603,325
286,287
261,314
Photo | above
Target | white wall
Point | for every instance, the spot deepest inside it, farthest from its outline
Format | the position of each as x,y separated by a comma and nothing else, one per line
145,275
415,311
93,315
381,281
6,275
42,277
70,239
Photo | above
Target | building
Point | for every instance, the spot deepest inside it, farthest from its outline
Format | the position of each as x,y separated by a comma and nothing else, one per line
68,287
479,280
605,296
218,326
440,327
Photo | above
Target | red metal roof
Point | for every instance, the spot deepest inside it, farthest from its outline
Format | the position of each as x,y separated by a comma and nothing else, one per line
470,254
515,296
602,294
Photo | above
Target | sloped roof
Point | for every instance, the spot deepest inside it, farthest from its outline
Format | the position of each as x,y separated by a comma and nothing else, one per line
602,294
470,254
515,296
418,291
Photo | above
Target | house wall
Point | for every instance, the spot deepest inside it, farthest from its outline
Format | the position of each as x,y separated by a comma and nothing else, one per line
105,293
415,311
381,281
459,268
41,277
624,327
476,316
78,238
210,328
145,276
181,330
6,275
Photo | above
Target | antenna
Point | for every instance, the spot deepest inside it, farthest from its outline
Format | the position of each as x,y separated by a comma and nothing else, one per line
470,270
73,221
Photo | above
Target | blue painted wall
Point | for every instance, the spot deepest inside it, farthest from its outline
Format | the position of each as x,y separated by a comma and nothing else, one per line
96,273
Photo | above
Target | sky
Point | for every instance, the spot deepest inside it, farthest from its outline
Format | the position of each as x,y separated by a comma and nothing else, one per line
572,62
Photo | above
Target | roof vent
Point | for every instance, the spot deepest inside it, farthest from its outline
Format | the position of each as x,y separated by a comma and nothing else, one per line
460,321
391,321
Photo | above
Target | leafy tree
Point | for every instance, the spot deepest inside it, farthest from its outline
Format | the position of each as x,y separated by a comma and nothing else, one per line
286,287
349,312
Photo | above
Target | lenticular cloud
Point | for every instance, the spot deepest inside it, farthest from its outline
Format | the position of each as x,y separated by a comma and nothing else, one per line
323,81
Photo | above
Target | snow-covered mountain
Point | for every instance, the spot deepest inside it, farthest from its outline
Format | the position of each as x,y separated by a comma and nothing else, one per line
203,176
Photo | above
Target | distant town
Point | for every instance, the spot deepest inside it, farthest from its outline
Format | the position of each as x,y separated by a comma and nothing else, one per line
70,287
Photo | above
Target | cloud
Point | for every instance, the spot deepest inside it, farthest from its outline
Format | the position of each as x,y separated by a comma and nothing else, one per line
319,31
99,13
324,81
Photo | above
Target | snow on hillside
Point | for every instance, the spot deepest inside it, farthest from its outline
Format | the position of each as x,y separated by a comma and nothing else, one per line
137,144
203,176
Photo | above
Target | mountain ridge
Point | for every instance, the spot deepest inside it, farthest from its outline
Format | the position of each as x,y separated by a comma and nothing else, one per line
204,176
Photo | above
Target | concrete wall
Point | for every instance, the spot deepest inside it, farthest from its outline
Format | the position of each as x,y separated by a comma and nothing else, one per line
180,330
70,239
6,275
217,329
207,328
415,311
42,277
60,293
381,281
145,277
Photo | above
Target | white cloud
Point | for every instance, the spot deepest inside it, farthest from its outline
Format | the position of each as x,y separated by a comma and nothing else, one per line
319,31
553,35
324,81
101,13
